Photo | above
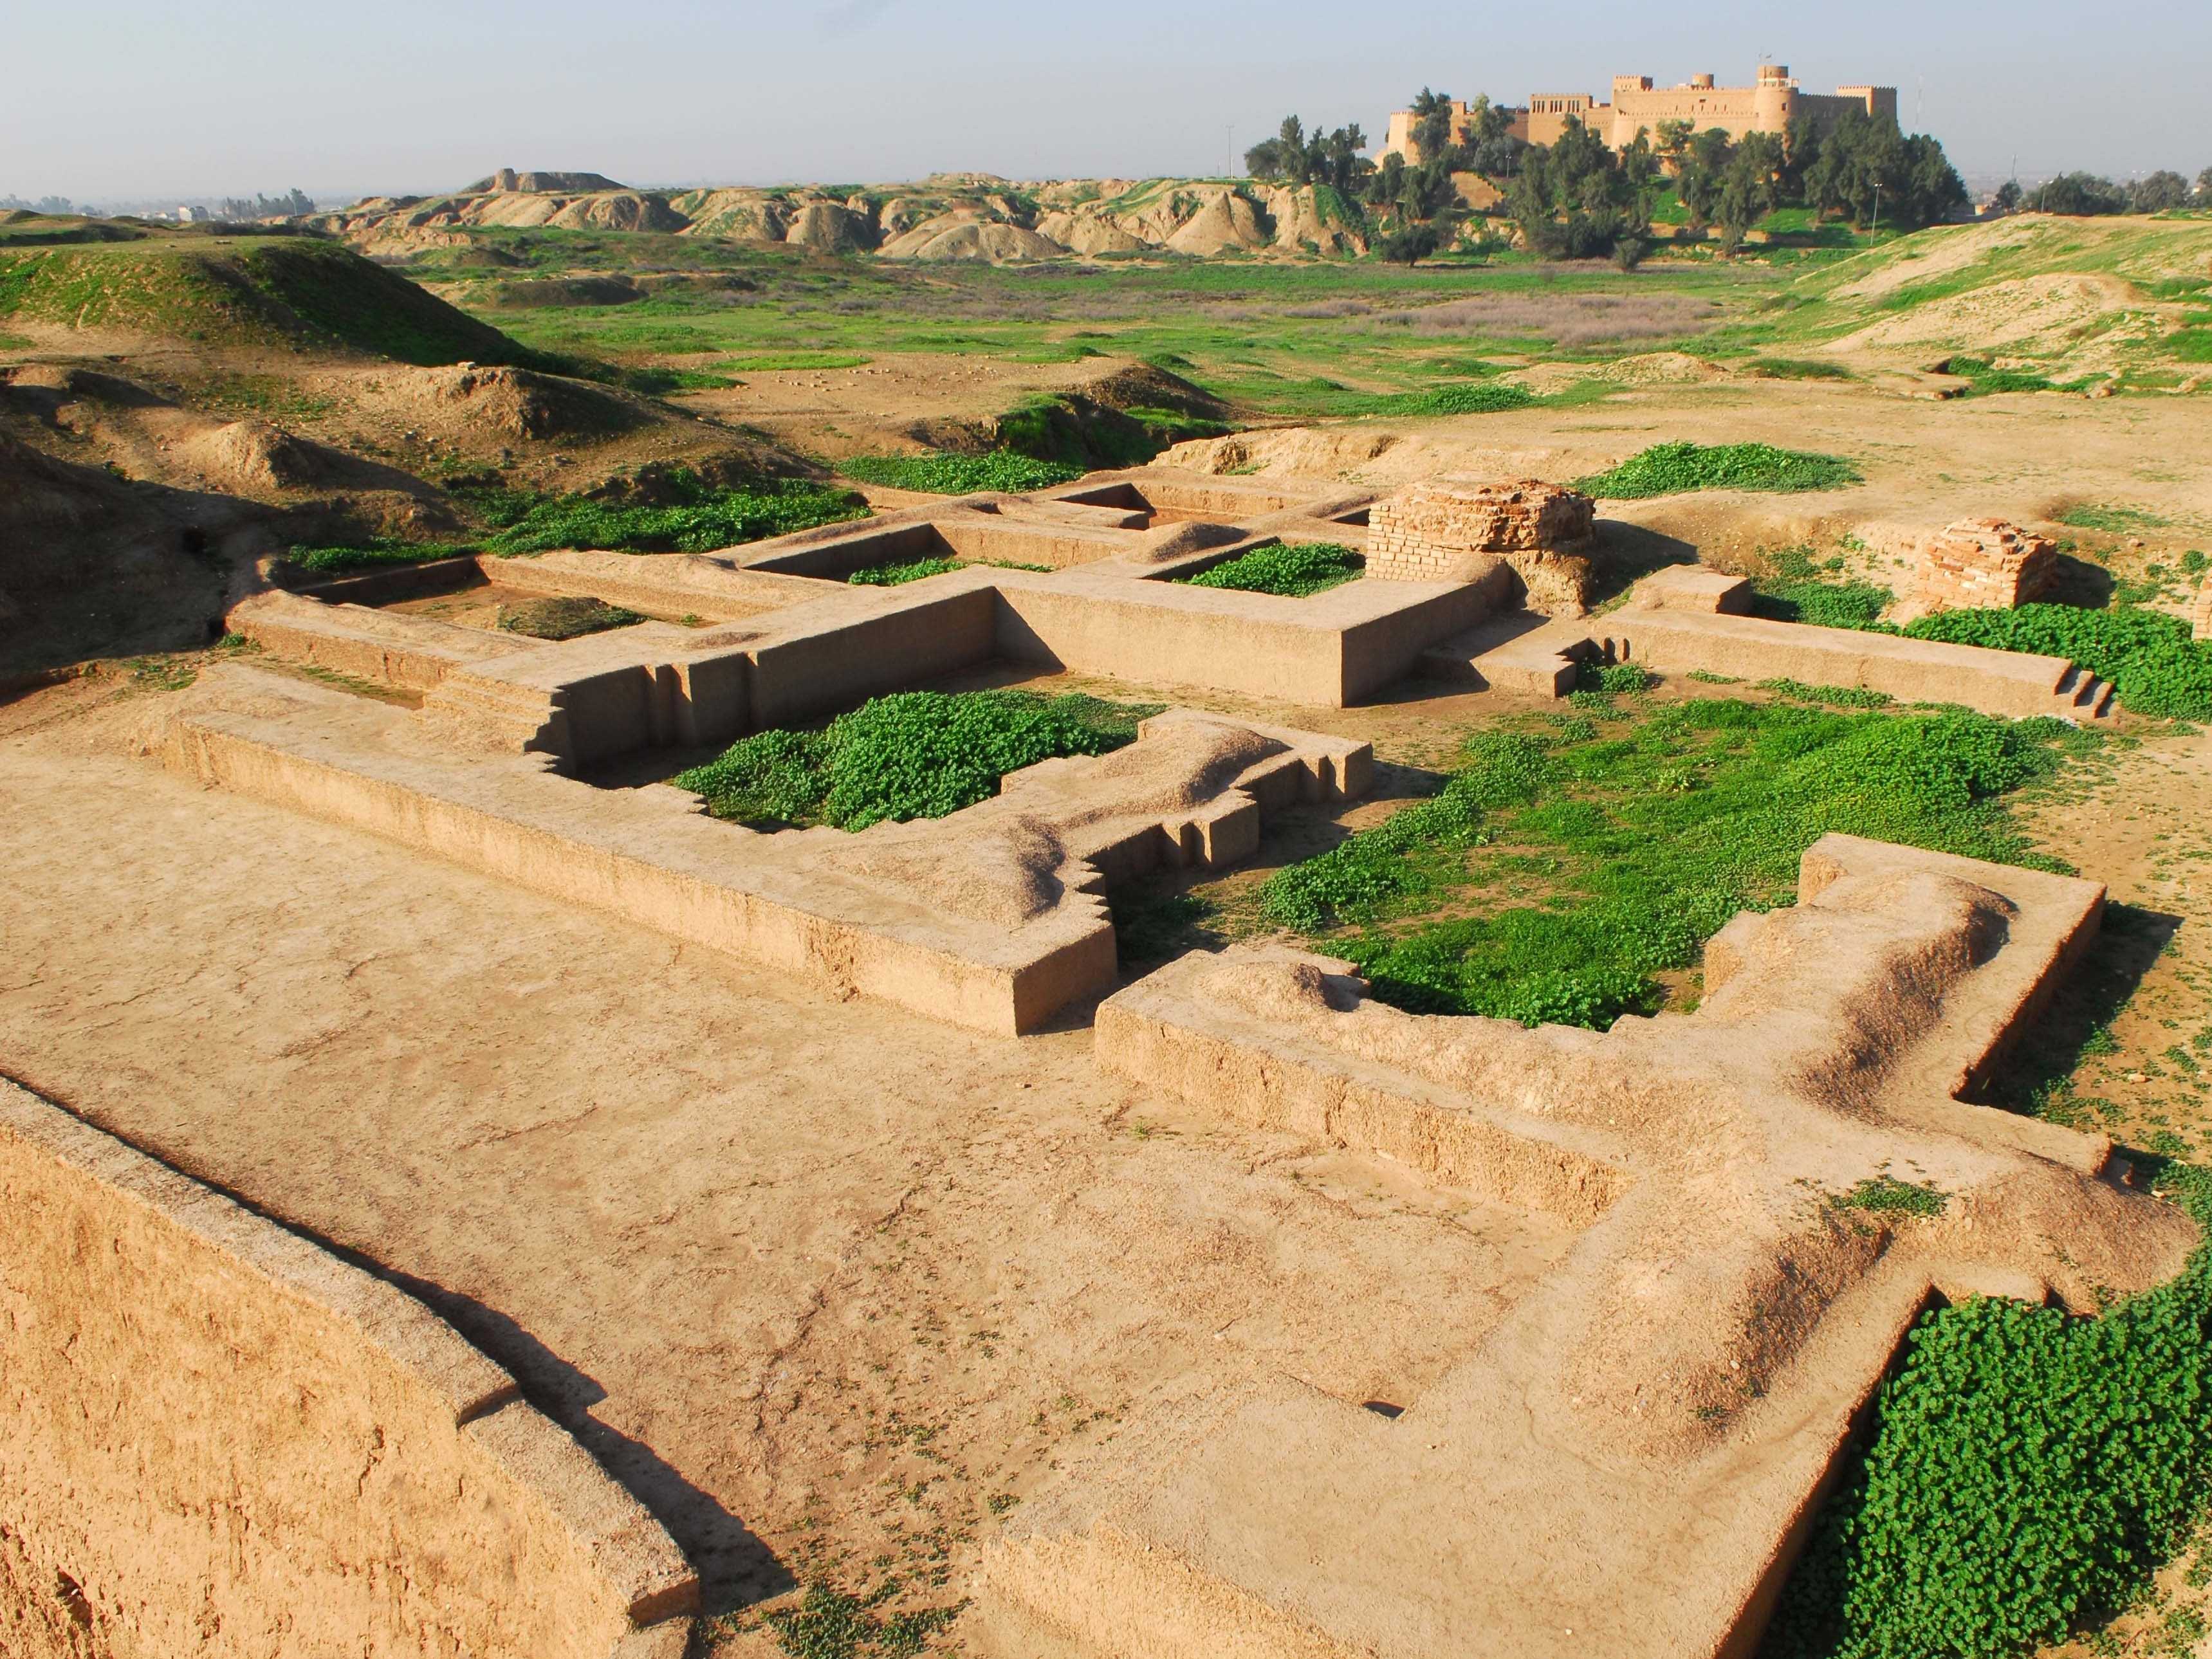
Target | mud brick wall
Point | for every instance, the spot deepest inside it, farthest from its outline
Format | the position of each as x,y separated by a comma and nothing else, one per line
223,1440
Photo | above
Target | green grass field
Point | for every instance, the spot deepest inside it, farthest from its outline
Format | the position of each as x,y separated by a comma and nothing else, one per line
1340,338
1326,339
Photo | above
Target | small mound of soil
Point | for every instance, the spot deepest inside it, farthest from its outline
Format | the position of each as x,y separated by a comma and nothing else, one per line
256,455
568,618
517,402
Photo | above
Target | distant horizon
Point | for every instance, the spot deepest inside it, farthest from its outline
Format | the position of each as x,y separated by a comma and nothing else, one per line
333,201
871,90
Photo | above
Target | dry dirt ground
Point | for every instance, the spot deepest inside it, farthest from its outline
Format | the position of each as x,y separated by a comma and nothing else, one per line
882,405
2027,456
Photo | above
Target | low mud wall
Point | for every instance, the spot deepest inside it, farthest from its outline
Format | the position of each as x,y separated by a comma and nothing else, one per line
1750,648
223,1440
1328,650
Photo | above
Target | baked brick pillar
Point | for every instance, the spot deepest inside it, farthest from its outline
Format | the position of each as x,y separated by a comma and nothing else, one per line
1455,529
1984,564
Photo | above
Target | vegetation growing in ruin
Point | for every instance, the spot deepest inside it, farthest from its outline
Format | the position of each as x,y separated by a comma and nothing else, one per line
1611,680
833,1623
914,755
2026,1471
691,516
1575,860
370,553
1672,469
1293,569
896,575
2148,658
1801,591
942,474
2113,520
687,515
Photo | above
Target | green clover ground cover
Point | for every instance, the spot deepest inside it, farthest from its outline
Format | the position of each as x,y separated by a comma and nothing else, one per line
1292,570
1672,469
2153,665
943,474
1571,860
2026,1471
1801,591
2148,657
914,755
706,520
896,575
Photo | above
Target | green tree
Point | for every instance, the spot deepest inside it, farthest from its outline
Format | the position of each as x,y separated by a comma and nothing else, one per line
1415,243
1750,186
1388,182
1576,198
1335,161
1698,173
1432,124
2156,192
2078,194
1866,165
1486,121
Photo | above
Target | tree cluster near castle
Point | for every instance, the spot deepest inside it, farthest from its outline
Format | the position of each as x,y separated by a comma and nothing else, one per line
1576,188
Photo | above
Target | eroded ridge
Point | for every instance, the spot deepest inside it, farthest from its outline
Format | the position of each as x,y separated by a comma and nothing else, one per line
1627,1464
994,918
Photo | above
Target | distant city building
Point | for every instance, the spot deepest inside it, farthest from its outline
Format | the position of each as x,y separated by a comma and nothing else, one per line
1769,105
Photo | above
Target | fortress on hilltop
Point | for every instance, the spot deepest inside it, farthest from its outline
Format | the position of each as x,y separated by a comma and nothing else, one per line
1770,105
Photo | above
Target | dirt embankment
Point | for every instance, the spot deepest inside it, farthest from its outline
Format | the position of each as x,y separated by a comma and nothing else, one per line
133,498
968,218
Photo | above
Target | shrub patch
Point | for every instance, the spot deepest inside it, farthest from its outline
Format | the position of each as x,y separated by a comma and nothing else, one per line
1599,850
2153,665
914,755
943,474
1290,569
893,575
1672,469
2026,1469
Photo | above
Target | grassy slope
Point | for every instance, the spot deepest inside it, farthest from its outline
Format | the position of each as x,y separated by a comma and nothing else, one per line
277,291
2163,262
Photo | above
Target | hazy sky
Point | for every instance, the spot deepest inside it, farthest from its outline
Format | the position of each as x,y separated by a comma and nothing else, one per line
144,100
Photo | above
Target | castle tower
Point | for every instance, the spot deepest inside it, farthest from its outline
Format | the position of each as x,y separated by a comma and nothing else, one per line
1774,100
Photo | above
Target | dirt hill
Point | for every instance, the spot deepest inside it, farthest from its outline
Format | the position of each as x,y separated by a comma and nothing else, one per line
295,292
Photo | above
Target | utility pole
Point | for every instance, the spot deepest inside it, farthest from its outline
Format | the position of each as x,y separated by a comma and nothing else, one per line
1232,150
1875,228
